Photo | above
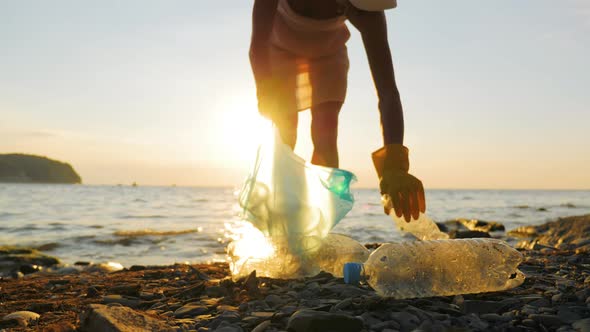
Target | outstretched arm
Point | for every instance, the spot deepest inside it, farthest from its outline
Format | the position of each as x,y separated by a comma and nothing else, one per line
373,29
400,190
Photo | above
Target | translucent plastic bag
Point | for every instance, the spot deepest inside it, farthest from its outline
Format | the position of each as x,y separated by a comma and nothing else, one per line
287,198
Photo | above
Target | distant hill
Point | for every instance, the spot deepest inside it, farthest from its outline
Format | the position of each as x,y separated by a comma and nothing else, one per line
24,168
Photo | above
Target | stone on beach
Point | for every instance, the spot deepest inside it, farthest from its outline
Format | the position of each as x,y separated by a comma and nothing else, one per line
24,318
306,320
582,325
27,259
564,233
481,226
554,297
118,319
190,310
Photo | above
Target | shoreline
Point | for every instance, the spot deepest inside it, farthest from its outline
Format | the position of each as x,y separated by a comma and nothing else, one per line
201,297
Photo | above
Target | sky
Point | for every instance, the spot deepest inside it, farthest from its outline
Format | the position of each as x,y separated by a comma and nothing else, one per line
495,94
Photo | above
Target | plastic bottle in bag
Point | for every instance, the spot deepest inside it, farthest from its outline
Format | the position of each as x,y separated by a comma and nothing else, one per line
422,228
333,252
439,268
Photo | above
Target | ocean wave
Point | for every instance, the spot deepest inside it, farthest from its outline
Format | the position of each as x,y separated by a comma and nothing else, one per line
153,232
83,238
48,246
569,205
521,207
155,216
126,242
10,214
25,228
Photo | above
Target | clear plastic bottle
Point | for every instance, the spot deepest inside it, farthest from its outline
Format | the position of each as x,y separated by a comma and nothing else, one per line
328,254
337,250
439,268
422,228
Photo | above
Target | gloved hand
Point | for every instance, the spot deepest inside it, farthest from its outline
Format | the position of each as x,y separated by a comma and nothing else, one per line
403,189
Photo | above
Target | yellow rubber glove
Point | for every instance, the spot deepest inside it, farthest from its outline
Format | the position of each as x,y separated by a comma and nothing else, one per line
403,189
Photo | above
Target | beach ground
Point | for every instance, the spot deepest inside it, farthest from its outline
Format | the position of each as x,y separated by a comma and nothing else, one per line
554,297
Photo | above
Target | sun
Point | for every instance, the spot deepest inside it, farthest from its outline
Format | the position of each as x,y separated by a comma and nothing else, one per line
243,129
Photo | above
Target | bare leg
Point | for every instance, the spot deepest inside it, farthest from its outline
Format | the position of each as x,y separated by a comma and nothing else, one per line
324,133
287,126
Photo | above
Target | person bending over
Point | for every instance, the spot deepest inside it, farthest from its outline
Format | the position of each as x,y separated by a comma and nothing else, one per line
299,60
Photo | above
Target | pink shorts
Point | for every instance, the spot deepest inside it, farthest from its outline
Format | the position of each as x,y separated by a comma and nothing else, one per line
309,58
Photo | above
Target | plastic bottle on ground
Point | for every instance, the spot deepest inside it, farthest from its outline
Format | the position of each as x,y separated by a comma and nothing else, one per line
337,250
329,254
439,268
422,228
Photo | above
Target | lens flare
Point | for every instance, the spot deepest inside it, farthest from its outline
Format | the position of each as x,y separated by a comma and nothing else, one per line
247,243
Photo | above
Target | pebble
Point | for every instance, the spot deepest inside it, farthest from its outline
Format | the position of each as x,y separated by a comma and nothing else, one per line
215,291
23,317
343,304
529,310
243,307
130,290
393,324
570,314
229,328
310,320
66,270
274,300
494,318
189,310
98,317
369,319
557,297
107,267
481,307
473,322
128,302
262,314
262,326
582,325
226,307
30,268
229,316
92,292
547,320
406,320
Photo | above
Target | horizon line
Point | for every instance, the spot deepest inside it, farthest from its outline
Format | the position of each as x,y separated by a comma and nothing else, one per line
237,186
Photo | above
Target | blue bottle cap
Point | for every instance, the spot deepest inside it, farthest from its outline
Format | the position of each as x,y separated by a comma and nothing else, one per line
352,273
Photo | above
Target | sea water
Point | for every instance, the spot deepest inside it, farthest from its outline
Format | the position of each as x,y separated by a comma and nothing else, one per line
164,225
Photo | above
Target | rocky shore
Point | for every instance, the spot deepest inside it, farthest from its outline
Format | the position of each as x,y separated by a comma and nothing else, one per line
44,295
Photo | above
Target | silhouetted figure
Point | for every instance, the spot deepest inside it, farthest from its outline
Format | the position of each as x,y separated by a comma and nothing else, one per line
299,59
